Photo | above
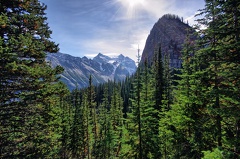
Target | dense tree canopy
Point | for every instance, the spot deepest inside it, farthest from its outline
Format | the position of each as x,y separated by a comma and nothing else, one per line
29,90
156,113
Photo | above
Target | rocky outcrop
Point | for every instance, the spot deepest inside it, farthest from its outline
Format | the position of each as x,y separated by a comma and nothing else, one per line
170,32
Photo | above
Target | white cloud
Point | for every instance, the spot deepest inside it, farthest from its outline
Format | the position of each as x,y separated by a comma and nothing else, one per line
121,40
111,26
90,55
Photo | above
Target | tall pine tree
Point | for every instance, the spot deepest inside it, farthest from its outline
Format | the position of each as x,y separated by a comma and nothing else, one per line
26,79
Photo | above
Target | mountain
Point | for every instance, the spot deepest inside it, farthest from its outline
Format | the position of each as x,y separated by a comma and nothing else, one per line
102,68
170,32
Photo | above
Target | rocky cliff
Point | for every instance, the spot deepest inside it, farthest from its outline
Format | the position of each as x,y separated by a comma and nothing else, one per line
170,32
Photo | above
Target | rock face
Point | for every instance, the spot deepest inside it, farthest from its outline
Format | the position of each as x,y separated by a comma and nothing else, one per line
170,32
102,68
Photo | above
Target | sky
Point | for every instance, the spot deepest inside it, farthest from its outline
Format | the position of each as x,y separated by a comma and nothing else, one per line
111,27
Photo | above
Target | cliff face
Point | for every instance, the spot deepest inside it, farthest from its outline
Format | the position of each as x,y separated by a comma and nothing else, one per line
170,32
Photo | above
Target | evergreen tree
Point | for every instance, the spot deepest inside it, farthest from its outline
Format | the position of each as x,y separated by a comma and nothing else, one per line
57,123
210,57
221,47
157,95
158,77
190,104
77,144
126,88
66,121
93,121
87,121
105,130
27,82
164,135
229,73
116,119
148,116
133,122
167,83
144,114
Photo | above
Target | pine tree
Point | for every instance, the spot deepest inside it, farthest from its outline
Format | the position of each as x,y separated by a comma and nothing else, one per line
159,83
105,130
166,106
92,105
57,119
66,121
192,108
26,79
133,121
167,83
88,137
164,135
77,142
220,56
148,116
116,119
229,72
144,111
157,95
210,57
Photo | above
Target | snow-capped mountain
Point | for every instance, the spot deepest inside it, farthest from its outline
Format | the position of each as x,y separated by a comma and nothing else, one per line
102,68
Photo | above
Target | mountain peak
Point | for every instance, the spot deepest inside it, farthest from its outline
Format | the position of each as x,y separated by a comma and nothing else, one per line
100,54
171,17
121,56
170,31
101,58
102,67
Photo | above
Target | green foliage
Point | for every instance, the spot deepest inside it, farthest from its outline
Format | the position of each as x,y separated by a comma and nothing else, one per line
31,98
149,115
215,154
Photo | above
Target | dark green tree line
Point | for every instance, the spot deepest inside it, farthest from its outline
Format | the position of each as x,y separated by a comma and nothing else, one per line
152,114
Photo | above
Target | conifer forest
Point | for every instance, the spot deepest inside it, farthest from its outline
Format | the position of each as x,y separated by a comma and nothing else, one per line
157,113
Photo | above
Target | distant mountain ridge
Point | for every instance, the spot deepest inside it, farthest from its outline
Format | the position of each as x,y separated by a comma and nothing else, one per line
102,68
170,32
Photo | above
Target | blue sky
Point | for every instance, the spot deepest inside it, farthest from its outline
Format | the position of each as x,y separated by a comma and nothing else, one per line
112,27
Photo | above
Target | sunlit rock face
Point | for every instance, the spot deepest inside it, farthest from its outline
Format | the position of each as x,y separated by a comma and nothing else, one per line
170,32
102,68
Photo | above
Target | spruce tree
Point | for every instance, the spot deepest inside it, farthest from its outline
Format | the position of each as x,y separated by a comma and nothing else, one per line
158,76
220,60
164,137
26,79
77,141
220,17
167,83
92,105
189,104
105,127
133,121
87,125
116,119
229,72
150,146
